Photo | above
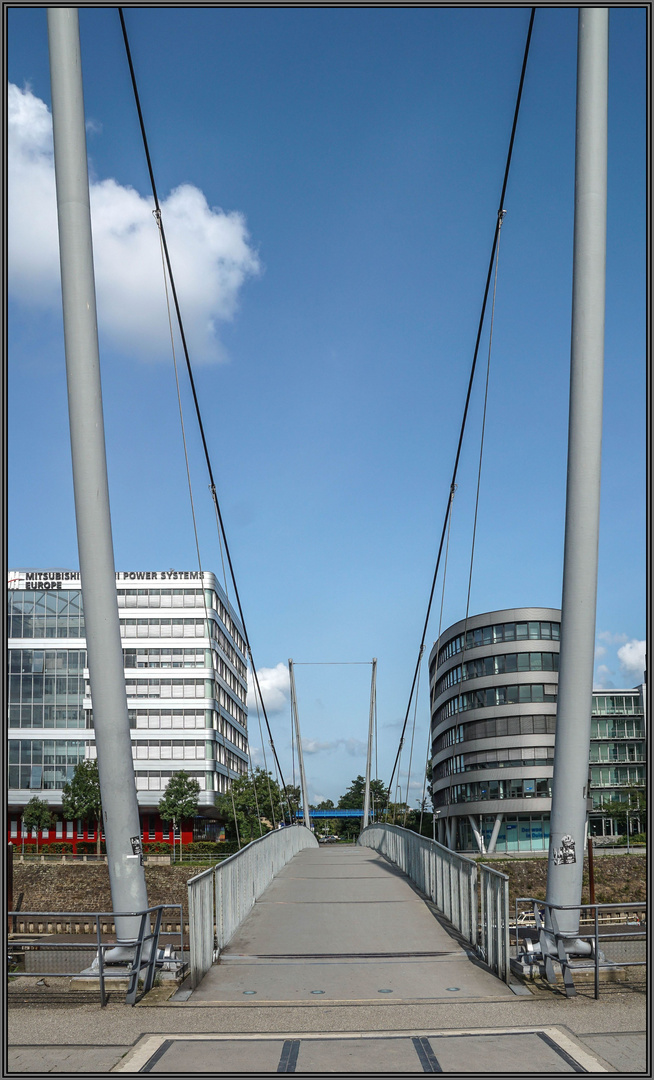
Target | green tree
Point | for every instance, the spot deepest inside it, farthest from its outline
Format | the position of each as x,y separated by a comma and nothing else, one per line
180,799
295,797
81,798
324,826
633,807
353,798
38,815
256,797
430,776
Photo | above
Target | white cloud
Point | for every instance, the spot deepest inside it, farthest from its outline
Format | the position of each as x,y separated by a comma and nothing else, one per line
256,757
602,678
209,249
274,687
611,638
600,651
353,747
315,746
632,657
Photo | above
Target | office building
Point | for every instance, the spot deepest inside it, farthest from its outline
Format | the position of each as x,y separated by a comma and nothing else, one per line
493,692
617,761
186,681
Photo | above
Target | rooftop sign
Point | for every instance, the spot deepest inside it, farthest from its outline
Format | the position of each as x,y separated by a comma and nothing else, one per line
70,579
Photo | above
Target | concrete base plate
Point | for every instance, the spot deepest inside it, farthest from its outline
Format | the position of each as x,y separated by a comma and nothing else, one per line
538,1051
448,977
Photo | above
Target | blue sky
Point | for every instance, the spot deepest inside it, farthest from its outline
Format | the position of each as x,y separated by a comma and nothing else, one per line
329,181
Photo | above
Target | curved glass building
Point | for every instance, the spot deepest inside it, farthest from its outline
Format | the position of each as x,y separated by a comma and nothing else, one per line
493,686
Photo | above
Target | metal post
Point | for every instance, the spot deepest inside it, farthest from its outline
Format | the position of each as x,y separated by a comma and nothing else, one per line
565,866
105,657
591,872
371,723
306,818
10,880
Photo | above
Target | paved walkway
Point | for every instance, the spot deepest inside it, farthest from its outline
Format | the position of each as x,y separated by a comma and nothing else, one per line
346,925
341,967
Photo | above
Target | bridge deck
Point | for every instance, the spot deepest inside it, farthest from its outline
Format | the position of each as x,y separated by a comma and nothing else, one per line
343,924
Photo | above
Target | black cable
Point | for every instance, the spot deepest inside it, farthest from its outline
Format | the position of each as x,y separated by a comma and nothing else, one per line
192,383
470,382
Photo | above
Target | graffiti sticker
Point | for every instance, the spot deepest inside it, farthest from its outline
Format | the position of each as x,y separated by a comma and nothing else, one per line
566,853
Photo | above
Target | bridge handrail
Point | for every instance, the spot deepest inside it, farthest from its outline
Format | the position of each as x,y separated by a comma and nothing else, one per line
219,898
456,884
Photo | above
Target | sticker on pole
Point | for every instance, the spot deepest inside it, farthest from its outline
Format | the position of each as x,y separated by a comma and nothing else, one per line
137,850
565,855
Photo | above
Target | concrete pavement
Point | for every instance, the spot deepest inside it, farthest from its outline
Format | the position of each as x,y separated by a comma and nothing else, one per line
346,925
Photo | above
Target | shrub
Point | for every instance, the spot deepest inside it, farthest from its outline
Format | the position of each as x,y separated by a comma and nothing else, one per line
639,838
211,847
226,847
59,847
157,847
90,847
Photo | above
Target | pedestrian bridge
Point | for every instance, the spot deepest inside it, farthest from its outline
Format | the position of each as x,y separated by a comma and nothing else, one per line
395,916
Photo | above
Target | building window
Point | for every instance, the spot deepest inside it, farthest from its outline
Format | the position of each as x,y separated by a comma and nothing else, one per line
491,635
481,790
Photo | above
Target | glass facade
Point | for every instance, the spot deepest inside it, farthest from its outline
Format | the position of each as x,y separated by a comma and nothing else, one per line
508,753
202,712
496,727
45,614
487,747
490,635
43,764
517,832
46,688
490,698
482,790
497,665
618,753
507,758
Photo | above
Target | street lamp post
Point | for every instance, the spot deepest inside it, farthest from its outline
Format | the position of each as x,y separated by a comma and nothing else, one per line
628,847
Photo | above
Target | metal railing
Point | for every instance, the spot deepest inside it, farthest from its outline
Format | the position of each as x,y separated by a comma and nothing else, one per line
610,947
474,897
493,943
221,897
145,948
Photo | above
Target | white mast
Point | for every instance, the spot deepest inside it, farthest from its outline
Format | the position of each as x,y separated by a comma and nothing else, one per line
120,811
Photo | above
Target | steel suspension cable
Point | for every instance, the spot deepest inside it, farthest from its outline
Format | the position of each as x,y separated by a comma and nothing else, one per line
464,639
265,762
256,800
471,378
438,645
413,733
207,621
212,485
